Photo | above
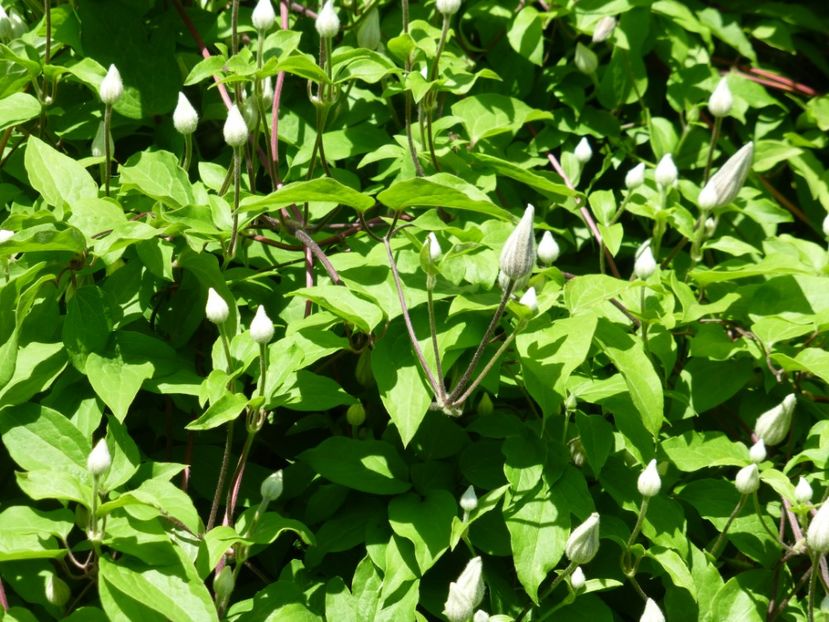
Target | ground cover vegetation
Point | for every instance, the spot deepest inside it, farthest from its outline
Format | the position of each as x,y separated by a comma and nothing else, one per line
390,310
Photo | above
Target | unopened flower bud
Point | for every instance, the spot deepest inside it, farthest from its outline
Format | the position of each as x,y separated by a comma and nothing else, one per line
216,308
644,264
548,249
5,235
368,32
271,488
604,29
720,102
99,459
356,414
666,173
223,584
803,491
652,612
185,117
710,226
583,151
757,453
466,593
327,24
363,372
112,87
235,130
435,251
267,91
481,616
826,225
577,579
583,543
635,177
748,479
5,25
98,149
817,536
649,482
263,16
530,300
577,451
725,184
485,405
261,327
447,7
586,60
518,254
57,592
773,425
469,500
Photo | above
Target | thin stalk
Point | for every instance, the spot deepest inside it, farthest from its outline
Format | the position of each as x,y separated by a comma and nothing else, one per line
234,28
774,536
621,209
644,322
567,572
715,550
715,134
812,583
220,483
188,152
430,303
263,367
93,510
627,566
408,96
237,188
107,149
486,369
236,480
47,53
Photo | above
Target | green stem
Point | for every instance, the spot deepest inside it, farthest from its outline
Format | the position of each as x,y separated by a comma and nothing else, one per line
644,322
487,368
715,550
757,509
627,565
567,572
430,303
93,516
263,367
220,483
812,583
715,134
188,152
107,149
237,188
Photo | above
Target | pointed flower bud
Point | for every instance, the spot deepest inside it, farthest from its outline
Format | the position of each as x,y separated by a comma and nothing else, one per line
5,235
826,226
112,87
666,173
583,543
518,254
757,453
649,482
185,117
583,151
466,593
644,264
548,249
577,579
57,592
720,102
773,425
261,327
469,500
530,300
368,32
272,485
356,414
803,491
604,29
235,130
748,479
652,612
586,60
216,308
725,184
327,24
817,536
481,616
635,177
435,251
99,459
267,91
263,16
447,7
710,227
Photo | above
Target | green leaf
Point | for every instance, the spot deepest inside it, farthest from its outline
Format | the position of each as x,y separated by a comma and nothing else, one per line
158,175
27,533
117,381
88,324
325,189
270,526
525,35
583,293
59,179
538,180
344,303
227,408
368,466
426,522
440,190
490,114
693,451
17,108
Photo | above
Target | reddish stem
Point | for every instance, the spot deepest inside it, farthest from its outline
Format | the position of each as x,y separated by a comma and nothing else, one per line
277,98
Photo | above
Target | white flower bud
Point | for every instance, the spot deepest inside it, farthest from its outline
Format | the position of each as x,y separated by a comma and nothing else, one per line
5,25
748,479
466,593
644,264
57,592
263,16
604,29
368,33
261,327
652,612
111,87
518,254
577,579
757,453
583,543
235,129
826,226
447,7
185,117
586,60
817,536
530,300
548,249
267,91
666,173
435,251
635,177
480,616
773,425
469,500
216,308
98,148
720,102
649,482
725,184
271,487
99,459
583,151
327,24
710,226
5,235
803,491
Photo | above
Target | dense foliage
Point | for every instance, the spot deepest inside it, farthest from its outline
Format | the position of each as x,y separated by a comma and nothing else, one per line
413,312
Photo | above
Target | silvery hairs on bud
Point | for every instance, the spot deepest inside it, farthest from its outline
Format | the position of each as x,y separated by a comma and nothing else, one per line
518,254
725,184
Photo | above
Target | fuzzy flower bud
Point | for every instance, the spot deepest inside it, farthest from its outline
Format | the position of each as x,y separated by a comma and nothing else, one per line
583,543
356,414
817,536
748,479
644,264
112,87
99,459
5,235
466,593
216,308
480,616
57,592
652,612
604,29
803,491
448,7
757,453
577,579
271,487
666,173
773,425
469,500
583,151
235,129
435,251
720,102
263,16
710,226
649,481
261,327
368,32
518,254
327,24
530,300
635,177
725,184
586,60
548,249
185,117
